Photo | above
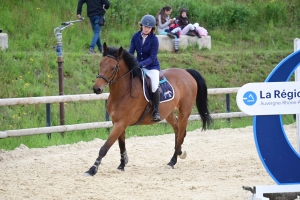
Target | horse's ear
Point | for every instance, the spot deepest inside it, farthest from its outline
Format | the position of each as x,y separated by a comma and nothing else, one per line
105,47
120,53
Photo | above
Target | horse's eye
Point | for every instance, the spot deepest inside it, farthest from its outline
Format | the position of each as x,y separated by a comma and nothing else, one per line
112,69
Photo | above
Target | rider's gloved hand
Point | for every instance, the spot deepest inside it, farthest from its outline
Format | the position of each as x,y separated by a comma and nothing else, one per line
140,65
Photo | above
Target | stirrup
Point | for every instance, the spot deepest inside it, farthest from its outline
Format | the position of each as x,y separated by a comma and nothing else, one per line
155,117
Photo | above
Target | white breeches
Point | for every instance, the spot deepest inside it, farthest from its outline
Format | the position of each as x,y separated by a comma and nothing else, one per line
154,76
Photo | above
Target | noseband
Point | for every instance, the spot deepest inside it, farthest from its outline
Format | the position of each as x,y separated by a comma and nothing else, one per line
111,80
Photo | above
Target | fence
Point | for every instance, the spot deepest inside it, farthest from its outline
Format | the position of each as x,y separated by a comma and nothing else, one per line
94,125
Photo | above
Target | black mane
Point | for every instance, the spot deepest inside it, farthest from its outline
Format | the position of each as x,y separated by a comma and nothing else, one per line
128,58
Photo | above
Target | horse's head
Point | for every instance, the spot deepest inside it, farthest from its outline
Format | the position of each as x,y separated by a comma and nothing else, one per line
109,68
115,64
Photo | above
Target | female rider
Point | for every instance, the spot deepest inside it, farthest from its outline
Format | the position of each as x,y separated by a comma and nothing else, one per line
145,43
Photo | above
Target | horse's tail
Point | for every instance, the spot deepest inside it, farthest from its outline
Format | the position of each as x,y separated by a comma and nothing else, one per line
201,99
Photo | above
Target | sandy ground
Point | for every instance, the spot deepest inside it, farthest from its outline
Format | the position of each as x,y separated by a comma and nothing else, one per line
218,164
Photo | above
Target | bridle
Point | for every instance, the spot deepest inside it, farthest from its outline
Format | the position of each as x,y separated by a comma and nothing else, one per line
111,80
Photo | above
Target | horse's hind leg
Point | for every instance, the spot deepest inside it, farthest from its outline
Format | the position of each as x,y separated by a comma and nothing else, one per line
173,121
124,157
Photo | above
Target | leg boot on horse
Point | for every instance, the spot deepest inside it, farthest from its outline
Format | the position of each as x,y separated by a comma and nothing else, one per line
155,113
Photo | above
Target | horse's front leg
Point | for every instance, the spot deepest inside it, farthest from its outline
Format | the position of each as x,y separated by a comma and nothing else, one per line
114,135
124,157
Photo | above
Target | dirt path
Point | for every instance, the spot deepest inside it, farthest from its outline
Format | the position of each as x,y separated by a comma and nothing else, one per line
218,164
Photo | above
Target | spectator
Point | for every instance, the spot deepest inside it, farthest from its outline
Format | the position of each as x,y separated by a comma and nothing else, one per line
163,21
95,11
145,44
185,25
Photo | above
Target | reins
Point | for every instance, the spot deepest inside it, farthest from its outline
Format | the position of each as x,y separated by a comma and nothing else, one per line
116,70
111,81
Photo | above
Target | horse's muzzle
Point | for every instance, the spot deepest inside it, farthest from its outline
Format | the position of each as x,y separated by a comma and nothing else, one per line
97,90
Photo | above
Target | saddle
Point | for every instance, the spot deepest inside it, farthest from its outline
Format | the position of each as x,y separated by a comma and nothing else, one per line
166,90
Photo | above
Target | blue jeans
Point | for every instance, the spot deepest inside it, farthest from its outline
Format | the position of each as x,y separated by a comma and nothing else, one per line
97,29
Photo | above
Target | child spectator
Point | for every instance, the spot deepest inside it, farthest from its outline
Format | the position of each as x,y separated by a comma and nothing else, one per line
185,25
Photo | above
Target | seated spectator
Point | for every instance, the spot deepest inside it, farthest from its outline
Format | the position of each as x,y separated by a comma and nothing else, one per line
185,25
163,22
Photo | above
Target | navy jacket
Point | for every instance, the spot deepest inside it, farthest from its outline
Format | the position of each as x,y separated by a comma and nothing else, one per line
94,7
147,52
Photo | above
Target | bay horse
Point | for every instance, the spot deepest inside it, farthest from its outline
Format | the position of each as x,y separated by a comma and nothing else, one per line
126,103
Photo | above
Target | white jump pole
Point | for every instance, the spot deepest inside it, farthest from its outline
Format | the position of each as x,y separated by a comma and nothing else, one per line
297,78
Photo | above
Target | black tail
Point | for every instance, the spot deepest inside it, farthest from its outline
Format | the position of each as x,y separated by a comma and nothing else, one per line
201,100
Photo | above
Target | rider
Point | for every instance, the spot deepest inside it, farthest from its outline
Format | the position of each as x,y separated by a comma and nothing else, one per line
145,43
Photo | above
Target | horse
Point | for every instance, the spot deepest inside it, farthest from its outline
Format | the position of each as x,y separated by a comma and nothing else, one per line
127,105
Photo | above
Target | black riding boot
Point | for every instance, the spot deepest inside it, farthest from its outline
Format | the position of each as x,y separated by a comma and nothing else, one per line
155,100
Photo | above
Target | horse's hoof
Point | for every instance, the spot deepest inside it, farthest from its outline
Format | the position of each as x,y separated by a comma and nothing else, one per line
183,155
87,174
91,172
169,166
121,168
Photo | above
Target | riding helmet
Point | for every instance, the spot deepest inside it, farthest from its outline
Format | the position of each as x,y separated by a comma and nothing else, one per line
149,21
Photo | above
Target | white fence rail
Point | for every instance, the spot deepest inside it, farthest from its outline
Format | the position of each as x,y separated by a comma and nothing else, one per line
52,99
84,97
85,126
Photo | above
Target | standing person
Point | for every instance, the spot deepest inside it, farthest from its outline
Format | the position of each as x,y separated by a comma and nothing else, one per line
185,25
145,44
163,22
95,11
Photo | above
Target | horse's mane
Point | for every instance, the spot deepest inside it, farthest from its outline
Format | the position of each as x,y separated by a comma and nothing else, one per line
128,58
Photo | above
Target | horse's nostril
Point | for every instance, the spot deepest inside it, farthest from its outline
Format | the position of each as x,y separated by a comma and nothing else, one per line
97,90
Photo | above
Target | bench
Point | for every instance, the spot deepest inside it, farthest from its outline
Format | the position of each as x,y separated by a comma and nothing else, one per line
3,41
166,43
